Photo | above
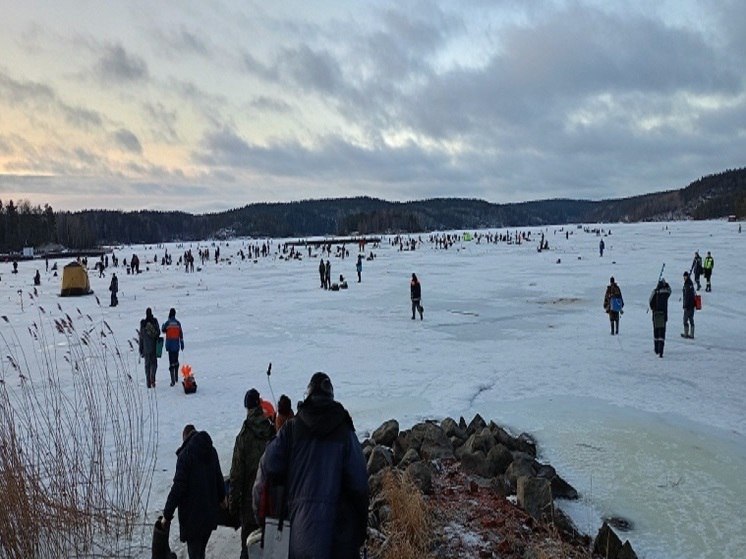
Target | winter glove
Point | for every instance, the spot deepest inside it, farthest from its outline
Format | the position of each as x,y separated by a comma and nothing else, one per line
165,523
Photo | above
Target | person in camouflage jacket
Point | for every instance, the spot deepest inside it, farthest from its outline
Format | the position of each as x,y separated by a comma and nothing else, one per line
256,431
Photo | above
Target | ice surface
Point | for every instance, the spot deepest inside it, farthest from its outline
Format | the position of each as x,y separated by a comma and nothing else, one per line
509,333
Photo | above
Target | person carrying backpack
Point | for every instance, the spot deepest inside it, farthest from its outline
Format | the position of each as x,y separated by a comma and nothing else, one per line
613,304
148,342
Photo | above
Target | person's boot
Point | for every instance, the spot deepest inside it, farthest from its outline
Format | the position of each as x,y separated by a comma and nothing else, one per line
691,335
660,354
686,331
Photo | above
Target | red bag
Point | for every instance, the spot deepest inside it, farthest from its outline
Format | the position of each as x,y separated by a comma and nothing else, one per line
698,302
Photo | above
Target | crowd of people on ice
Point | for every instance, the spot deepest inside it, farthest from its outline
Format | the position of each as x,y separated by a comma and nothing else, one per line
613,303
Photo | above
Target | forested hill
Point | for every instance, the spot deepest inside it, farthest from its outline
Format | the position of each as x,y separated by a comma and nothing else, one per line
713,196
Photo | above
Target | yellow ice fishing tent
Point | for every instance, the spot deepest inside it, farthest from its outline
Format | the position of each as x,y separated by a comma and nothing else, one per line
75,281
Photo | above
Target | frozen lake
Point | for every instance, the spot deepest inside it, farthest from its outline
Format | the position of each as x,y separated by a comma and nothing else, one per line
513,334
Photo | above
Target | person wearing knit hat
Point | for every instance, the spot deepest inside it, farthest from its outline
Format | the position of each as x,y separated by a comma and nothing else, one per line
319,456
255,432
251,399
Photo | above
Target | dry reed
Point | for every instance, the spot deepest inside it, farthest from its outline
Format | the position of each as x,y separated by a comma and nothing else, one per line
77,441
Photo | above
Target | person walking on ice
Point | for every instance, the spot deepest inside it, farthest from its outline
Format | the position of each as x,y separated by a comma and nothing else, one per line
148,340
198,491
174,343
114,289
359,267
613,304
708,265
415,294
688,294
322,273
659,305
318,456
696,269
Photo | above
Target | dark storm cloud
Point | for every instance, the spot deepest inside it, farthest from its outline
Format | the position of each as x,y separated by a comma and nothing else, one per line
270,104
162,120
22,91
42,97
542,73
331,158
313,70
254,66
80,117
127,141
115,65
181,41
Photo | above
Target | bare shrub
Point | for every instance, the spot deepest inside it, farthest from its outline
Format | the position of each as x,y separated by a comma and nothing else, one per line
77,441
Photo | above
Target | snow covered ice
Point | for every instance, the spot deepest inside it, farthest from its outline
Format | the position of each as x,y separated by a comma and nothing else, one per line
508,332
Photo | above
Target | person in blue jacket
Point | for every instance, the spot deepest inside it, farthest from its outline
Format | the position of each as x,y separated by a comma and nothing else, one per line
198,491
319,460
174,342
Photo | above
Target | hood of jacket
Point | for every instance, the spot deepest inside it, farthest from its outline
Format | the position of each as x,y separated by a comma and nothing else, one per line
258,424
198,443
323,415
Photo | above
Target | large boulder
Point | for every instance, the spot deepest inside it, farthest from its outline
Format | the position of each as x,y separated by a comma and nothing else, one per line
521,466
476,424
422,476
380,458
607,544
430,441
535,497
560,488
475,463
453,430
522,443
410,457
498,460
386,434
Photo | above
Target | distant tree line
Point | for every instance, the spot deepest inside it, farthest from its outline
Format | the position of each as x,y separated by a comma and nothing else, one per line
709,197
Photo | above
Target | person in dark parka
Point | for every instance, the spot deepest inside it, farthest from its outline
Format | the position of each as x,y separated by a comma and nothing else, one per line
149,333
659,305
198,491
318,458
114,289
255,433
688,294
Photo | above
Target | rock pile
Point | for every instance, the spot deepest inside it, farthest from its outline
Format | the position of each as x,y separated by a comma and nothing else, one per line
496,462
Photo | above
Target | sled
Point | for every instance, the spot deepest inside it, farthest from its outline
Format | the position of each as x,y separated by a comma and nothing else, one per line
698,302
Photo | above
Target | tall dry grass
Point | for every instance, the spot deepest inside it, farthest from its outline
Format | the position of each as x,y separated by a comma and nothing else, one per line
77,440
408,530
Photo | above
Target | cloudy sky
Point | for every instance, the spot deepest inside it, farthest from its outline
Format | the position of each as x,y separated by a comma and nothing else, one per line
202,106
